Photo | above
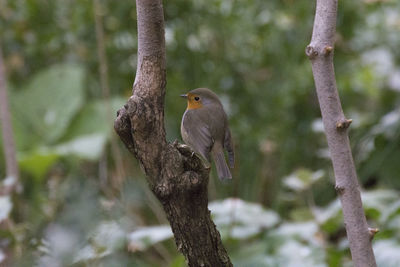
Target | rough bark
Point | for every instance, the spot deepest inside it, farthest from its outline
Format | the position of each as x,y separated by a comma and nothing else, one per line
175,175
320,51
8,136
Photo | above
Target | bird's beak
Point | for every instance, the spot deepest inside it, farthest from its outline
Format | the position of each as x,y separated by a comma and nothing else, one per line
184,95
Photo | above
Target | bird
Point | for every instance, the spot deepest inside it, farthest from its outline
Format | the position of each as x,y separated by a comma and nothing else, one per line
205,129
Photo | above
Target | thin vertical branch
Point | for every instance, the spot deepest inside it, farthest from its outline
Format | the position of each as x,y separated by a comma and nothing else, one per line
12,170
101,52
105,88
320,51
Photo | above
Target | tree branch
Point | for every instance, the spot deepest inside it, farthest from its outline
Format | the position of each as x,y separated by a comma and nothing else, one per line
105,90
320,51
12,170
176,177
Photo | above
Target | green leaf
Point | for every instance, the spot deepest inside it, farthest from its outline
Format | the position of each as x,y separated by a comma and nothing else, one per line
391,214
293,252
302,214
178,261
107,238
253,255
302,179
375,202
37,162
145,237
240,219
330,217
87,146
89,131
46,106
94,118
302,231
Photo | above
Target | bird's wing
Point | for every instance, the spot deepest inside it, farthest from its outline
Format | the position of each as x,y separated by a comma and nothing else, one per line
198,135
228,145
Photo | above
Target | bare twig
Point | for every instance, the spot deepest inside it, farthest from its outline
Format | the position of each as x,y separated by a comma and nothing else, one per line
12,170
320,51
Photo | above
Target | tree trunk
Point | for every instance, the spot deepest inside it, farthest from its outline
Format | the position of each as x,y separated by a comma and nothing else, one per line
176,176
320,52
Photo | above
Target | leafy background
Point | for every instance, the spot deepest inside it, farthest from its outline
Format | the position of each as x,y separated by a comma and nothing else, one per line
85,201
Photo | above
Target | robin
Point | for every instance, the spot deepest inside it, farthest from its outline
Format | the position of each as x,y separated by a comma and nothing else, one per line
205,129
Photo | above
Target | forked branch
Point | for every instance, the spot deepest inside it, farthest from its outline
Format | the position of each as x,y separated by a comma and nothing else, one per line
178,179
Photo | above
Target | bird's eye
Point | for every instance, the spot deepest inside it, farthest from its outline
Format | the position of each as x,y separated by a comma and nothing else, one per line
197,98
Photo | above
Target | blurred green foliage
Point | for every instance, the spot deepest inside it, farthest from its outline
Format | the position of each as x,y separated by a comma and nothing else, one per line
81,206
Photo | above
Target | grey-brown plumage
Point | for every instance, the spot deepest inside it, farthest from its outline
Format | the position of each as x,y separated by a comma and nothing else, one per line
205,129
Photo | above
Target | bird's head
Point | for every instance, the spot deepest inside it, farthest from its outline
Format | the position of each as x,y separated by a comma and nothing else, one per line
200,97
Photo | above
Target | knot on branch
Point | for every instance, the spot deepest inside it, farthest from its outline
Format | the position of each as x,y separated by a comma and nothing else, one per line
122,126
191,181
327,50
131,106
172,161
196,173
146,117
163,189
171,169
339,189
311,52
192,160
343,124
182,171
372,232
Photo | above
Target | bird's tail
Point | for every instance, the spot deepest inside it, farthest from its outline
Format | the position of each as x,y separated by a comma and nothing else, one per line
222,168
